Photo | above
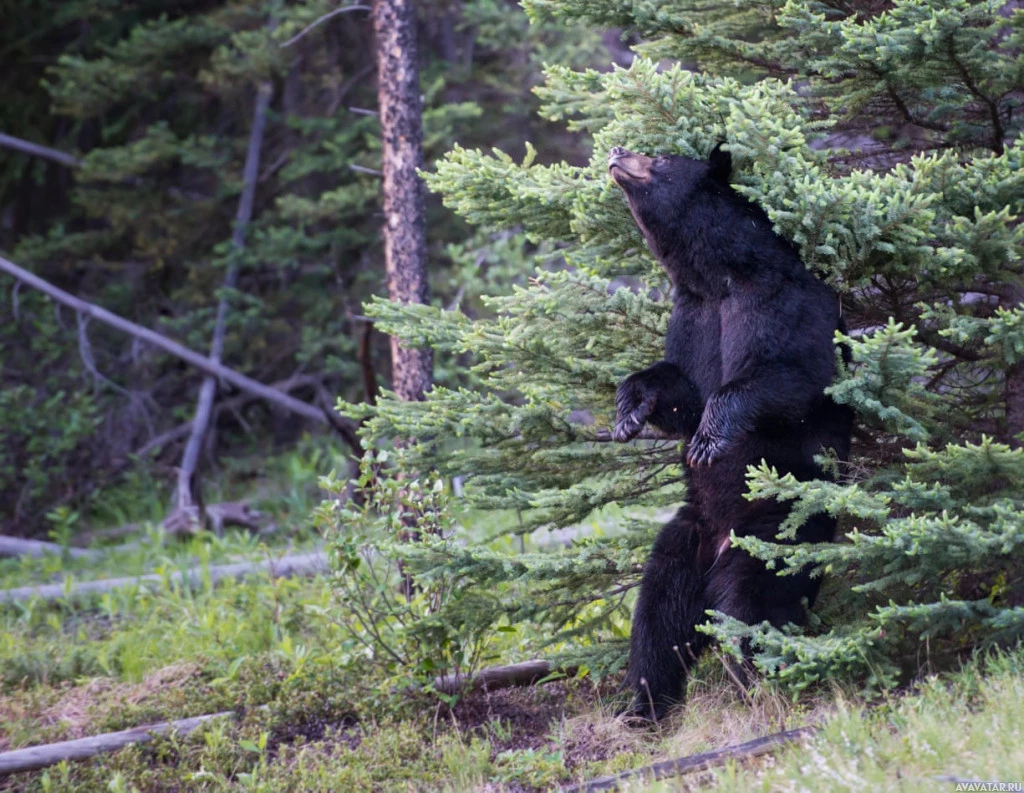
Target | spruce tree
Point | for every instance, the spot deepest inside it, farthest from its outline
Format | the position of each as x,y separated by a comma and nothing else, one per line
884,140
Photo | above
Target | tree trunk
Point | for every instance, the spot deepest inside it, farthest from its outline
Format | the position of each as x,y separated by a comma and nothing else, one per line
405,246
405,239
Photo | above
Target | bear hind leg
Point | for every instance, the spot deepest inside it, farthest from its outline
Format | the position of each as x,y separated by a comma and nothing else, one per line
664,642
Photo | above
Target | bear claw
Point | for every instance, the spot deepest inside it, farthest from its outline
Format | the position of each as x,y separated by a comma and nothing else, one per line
703,450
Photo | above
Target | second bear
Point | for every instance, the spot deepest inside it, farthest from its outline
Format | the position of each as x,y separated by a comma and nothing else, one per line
748,356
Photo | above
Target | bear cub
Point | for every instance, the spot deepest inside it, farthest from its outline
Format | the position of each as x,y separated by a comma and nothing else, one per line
748,355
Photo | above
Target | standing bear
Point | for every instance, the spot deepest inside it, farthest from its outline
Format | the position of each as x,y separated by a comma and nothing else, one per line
748,356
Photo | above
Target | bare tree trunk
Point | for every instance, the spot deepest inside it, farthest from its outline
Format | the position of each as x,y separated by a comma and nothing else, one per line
188,508
33,758
16,546
405,246
405,240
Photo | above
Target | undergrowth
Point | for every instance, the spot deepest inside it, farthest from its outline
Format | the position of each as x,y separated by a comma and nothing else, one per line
311,708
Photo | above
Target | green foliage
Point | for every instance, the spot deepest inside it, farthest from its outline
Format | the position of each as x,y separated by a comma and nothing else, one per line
391,616
921,237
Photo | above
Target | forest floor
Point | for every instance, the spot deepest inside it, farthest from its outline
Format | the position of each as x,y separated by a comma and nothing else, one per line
268,651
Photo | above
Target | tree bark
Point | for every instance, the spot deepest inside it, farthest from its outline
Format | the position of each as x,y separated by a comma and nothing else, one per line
405,246
187,507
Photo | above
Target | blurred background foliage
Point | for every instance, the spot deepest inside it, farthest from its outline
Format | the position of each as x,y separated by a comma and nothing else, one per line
155,101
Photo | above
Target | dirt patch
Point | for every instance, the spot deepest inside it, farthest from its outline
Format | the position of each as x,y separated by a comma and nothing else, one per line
315,730
76,708
594,738
513,718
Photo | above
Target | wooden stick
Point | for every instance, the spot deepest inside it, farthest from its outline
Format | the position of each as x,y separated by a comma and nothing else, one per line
286,567
201,362
696,762
324,18
16,546
36,757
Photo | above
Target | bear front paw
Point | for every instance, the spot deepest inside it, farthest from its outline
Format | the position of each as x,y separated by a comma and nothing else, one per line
704,449
631,412
627,428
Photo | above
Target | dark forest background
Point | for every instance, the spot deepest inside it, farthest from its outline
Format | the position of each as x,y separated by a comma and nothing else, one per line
147,108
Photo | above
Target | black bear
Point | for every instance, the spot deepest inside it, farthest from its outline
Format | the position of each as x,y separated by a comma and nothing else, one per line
748,355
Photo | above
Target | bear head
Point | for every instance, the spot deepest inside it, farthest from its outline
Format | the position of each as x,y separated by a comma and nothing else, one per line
672,200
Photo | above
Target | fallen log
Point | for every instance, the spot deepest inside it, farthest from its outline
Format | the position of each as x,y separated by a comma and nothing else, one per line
524,674
16,546
695,762
36,757
285,567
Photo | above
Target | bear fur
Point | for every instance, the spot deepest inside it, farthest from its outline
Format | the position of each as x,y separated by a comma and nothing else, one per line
748,355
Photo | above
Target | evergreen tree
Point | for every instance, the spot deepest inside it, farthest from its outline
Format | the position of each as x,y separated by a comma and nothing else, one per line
892,158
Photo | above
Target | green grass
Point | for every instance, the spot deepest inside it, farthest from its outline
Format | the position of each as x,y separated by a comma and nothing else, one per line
314,713
966,727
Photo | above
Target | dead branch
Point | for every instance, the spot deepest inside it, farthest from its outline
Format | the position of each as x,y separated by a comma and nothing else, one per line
188,509
235,402
228,513
204,364
16,546
696,762
36,757
34,149
321,20
308,564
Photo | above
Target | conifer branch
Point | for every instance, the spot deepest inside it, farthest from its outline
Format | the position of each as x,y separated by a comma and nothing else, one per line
993,109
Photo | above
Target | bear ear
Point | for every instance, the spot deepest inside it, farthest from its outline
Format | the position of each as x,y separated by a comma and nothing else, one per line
721,163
